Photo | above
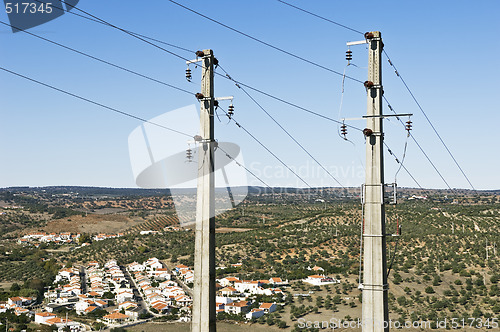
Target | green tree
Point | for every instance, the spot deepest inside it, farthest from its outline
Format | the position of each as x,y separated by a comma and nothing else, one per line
429,290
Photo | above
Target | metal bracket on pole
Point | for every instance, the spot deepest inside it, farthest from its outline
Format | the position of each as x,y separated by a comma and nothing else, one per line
361,42
224,98
386,115
392,199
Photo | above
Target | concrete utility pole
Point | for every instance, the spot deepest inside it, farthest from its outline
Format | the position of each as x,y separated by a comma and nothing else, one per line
204,313
375,311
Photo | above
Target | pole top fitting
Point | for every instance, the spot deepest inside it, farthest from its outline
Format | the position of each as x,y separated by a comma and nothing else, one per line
367,132
369,35
200,54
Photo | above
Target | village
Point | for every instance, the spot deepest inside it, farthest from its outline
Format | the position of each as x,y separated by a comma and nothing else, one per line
97,296
37,238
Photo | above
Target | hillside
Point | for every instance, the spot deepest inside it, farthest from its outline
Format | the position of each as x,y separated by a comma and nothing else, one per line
439,267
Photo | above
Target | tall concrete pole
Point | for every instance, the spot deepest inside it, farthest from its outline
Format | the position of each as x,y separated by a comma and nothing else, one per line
204,313
375,311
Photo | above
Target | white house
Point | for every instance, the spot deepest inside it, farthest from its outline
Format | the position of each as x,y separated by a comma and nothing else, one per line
124,295
278,281
82,305
255,313
228,291
228,281
237,307
136,267
223,299
268,307
20,301
247,285
134,313
320,280
42,317
153,264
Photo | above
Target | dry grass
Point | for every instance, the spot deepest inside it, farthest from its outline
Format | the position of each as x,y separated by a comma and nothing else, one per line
92,223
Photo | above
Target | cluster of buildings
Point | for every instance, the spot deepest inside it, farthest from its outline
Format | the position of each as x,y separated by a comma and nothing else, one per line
36,238
184,273
48,318
20,305
108,281
233,295
159,291
85,296
69,284
103,236
319,280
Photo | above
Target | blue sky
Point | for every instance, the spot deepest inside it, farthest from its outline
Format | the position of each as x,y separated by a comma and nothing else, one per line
445,50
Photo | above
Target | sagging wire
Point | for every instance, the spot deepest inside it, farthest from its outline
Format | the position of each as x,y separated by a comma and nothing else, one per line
343,134
266,148
230,113
341,126
408,127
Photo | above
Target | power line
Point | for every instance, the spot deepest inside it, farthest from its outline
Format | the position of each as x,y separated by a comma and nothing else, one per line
94,102
238,83
249,171
428,120
401,165
287,132
103,61
143,38
320,17
231,118
130,32
263,42
407,88
419,146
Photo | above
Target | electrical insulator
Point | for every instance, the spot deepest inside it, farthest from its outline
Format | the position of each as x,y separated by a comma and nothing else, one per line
230,111
348,55
408,125
189,155
343,130
188,75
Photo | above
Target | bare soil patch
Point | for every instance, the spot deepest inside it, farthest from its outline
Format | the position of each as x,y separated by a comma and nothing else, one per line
109,224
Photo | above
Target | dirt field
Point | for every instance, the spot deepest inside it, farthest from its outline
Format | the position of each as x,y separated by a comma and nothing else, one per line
110,224
6,285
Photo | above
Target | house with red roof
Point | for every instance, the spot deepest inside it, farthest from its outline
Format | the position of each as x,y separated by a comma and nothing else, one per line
268,307
116,318
237,307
